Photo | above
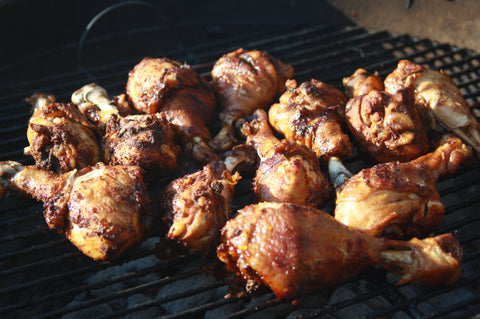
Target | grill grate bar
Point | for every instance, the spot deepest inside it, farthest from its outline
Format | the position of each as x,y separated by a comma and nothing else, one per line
30,250
121,293
474,300
65,85
452,226
67,274
79,289
430,62
202,309
43,262
350,64
404,305
169,298
423,297
340,47
41,230
464,203
78,75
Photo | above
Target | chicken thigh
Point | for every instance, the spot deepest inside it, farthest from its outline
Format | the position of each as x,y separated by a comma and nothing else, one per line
312,114
103,210
295,249
397,200
245,81
288,172
187,100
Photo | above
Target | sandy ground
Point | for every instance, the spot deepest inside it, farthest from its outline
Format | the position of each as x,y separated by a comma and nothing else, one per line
454,22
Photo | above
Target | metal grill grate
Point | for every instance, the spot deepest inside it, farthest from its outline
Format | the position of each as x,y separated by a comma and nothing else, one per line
44,276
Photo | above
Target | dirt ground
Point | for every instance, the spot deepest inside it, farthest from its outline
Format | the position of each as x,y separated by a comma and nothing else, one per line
454,22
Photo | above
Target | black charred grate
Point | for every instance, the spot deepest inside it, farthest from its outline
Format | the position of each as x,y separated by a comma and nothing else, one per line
44,276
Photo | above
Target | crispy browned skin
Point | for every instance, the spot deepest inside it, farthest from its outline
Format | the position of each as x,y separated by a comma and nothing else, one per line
296,249
195,207
187,100
245,81
60,137
400,200
361,82
438,100
101,209
312,115
395,200
387,127
288,172
145,140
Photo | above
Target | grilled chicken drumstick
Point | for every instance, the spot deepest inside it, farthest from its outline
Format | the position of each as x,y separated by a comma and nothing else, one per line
438,100
94,101
288,172
146,140
296,249
245,81
60,137
397,200
176,90
312,114
103,210
195,207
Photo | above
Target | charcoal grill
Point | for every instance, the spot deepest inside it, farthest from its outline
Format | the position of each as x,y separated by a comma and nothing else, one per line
44,276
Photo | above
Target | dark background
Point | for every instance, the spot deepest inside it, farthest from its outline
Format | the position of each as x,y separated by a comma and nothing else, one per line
41,37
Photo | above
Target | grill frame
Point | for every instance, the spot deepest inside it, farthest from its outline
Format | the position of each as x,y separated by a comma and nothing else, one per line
30,251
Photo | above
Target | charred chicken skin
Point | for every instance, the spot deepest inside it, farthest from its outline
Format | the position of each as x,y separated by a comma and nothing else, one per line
195,207
103,210
312,115
438,100
243,82
295,249
162,85
145,140
387,127
60,137
287,172
398,200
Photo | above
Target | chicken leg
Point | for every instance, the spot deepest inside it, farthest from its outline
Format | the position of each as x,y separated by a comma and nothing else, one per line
196,206
296,249
438,100
162,85
288,172
397,200
245,80
103,210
